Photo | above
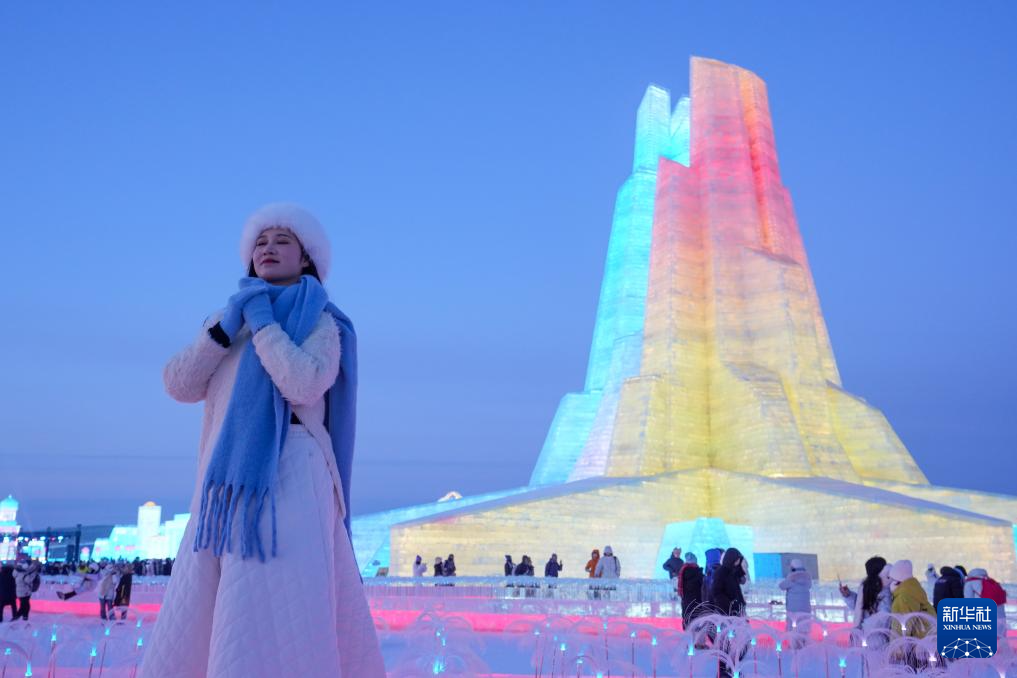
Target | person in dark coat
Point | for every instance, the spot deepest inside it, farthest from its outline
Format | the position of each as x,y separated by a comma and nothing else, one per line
510,567
673,564
122,597
727,584
524,568
553,567
8,591
448,568
728,600
690,588
712,563
950,584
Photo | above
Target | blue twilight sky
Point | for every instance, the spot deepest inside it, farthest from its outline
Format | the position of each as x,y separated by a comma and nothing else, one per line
465,157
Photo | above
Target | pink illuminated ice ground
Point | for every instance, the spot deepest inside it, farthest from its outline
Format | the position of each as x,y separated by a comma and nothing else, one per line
465,630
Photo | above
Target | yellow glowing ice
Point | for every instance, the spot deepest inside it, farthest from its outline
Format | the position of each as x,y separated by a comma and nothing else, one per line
737,409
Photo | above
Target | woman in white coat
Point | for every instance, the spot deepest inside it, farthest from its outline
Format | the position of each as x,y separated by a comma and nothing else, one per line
277,371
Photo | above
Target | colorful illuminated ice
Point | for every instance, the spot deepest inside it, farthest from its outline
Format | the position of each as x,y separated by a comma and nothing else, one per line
712,389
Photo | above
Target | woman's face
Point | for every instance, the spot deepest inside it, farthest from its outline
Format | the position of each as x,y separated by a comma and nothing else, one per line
278,257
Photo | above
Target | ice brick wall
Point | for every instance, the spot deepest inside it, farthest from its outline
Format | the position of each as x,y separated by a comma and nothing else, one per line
842,523
629,515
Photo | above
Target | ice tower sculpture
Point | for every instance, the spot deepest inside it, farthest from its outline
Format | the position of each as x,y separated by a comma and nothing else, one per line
712,389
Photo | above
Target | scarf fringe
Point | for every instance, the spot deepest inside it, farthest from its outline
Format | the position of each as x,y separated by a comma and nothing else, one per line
243,470
220,503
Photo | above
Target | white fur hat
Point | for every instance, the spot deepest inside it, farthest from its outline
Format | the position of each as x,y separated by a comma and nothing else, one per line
304,225
797,564
902,570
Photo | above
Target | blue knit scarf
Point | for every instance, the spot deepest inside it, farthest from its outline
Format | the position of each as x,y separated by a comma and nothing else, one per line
242,474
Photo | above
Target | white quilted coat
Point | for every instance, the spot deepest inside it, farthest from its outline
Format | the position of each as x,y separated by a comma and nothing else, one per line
302,613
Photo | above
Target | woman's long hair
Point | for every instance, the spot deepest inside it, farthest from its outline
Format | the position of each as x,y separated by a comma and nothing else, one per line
873,585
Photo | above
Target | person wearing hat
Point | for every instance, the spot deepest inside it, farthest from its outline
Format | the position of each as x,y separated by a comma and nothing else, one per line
909,597
608,567
980,585
277,370
797,587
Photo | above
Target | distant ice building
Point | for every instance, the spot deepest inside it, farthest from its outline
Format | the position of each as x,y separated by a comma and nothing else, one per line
9,528
149,538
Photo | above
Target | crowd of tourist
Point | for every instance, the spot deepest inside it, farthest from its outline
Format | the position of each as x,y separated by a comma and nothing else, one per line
882,605
716,587
111,579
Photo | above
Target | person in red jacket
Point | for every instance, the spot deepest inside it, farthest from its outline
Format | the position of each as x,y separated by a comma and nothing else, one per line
980,585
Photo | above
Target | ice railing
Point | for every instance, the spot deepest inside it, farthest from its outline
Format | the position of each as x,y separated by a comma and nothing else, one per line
624,597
